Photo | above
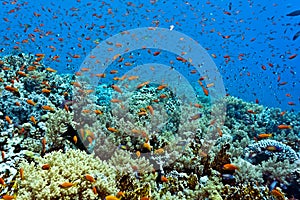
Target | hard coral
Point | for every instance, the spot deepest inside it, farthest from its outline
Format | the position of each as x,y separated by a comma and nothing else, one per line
65,178
265,149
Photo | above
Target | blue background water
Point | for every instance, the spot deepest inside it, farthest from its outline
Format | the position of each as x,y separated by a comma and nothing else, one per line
260,30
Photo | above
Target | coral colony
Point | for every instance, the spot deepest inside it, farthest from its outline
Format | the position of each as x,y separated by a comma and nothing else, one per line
61,139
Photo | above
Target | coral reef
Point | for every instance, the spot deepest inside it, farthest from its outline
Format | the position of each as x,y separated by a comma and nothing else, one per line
45,178
64,139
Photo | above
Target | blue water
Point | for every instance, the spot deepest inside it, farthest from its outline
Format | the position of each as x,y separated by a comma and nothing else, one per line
260,34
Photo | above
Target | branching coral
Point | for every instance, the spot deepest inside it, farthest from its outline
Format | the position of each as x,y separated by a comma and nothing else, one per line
70,167
56,124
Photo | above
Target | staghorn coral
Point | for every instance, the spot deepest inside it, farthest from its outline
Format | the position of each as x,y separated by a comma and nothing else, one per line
72,167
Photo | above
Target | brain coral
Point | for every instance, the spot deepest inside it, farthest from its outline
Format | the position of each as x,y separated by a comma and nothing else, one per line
70,176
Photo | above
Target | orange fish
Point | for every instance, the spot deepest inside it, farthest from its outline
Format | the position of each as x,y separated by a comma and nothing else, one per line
75,139
89,91
66,107
142,113
159,151
138,154
76,84
21,73
115,100
282,113
98,112
181,59
40,55
66,185
31,68
2,182
30,102
197,105
85,69
273,148
130,78
50,70
230,167
251,111
44,145
46,167
11,88
264,135
44,90
193,71
219,132
95,190
113,71
90,139
275,192
2,155
292,56
284,126
49,108
195,117
22,173
111,197
86,111
6,68
205,91
210,85
38,59
100,75
89,178
76,56
111,129
147,146
33,119
116,88
151,110
162,87
291,103
164,179
7,197
163,96
145,198
7,118
156,53
143,84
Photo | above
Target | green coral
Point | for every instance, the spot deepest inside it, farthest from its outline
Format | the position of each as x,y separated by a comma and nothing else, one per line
71,167
247,191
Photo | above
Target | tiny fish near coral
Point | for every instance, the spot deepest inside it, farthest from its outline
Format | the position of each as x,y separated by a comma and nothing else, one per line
89,178
230,167
66,185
